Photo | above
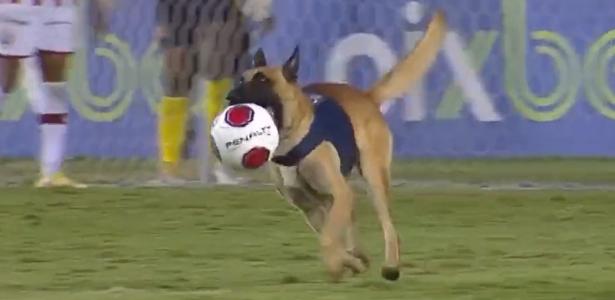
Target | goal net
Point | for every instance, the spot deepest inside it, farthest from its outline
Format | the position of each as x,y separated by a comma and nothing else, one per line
515,78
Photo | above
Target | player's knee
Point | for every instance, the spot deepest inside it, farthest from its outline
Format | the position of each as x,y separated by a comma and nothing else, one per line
10,69
55,73
176,85
54,66
55,78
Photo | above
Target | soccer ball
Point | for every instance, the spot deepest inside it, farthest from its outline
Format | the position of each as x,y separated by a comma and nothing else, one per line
244,136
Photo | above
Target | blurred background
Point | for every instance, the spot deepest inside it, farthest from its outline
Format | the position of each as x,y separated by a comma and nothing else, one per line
516,79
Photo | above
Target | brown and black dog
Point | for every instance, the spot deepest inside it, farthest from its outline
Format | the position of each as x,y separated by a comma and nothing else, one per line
322,141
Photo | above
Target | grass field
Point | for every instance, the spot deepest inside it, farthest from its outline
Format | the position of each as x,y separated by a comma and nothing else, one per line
541,170
233,244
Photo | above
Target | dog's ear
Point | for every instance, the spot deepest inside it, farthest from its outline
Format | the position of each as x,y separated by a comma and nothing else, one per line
291,66
259,59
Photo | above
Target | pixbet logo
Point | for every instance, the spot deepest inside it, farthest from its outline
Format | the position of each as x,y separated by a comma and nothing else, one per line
372,46
515,69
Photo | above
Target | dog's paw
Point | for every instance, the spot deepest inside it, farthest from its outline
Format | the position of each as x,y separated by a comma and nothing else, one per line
335,270
390,273
360,254
354,264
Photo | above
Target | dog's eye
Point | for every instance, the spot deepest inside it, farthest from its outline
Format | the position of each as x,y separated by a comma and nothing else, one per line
259,77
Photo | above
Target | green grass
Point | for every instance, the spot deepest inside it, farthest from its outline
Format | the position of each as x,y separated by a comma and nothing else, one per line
540,170
239,244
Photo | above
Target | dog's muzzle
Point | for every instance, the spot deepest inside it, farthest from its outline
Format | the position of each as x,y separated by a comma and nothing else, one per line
234,97
248,94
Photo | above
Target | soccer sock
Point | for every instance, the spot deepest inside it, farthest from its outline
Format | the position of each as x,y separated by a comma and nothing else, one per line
215,96
171,130
53,126
214,100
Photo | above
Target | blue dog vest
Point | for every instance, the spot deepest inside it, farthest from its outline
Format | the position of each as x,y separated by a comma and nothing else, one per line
330,124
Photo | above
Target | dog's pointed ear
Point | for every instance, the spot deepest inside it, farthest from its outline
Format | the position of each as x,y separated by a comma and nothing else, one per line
291,66
259,59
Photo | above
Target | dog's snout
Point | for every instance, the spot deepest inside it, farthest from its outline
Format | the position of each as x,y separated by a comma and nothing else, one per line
236,96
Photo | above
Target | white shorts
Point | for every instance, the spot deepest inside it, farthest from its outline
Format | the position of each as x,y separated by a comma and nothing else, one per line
25,30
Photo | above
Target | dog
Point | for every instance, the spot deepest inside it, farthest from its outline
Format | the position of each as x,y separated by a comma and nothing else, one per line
323,139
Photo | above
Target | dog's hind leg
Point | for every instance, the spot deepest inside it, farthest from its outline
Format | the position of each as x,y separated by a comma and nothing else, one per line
375,169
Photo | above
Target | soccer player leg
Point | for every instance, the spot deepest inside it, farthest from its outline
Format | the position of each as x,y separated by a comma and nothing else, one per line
221,65
216,91
214,103
174,110
17,30
55,46
9,68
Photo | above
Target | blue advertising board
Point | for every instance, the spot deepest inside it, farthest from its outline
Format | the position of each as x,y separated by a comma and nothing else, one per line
514,78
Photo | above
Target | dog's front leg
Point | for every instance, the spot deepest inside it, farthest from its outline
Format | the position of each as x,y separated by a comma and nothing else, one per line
353,246
293,190
314,209
332,235
321,171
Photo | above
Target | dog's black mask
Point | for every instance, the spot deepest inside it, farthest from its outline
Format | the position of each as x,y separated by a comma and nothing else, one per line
259,90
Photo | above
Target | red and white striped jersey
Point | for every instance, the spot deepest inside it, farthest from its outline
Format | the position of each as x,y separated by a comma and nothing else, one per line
41,2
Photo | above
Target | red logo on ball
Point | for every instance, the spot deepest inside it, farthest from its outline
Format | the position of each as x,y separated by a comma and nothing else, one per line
255,158
239,115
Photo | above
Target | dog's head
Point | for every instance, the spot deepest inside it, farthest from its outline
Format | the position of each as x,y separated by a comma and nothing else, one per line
274,88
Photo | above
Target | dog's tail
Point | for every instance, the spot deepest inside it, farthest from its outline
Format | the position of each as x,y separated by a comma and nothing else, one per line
412,67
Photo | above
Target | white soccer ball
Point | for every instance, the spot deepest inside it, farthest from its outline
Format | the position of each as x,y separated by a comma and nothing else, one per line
244,136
